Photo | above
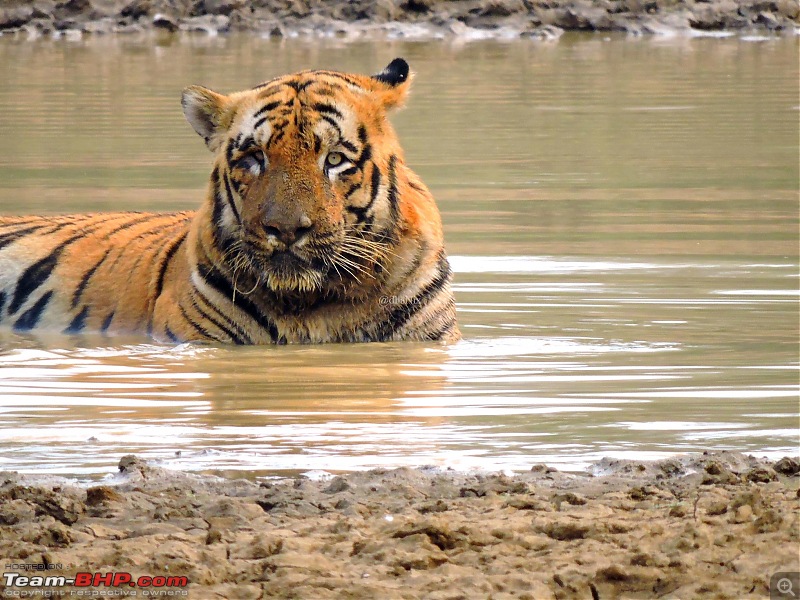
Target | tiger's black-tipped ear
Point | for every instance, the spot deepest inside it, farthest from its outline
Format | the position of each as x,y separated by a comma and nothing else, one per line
395,73
204,109
392,84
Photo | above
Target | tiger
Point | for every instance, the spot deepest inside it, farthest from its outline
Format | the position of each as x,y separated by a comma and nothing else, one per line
313,230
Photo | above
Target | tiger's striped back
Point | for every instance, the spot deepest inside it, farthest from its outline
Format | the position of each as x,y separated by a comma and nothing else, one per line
96,272
313,230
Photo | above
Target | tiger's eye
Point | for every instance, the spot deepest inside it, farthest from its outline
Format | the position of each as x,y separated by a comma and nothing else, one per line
334,159
255,162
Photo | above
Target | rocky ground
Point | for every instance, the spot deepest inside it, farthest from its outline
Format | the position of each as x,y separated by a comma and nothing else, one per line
395,18
716,525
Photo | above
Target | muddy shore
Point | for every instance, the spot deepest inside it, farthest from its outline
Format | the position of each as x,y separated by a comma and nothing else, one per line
716,525
409,19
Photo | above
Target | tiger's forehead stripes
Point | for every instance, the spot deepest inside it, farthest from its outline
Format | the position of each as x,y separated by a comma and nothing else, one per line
335,81
305,88
309,120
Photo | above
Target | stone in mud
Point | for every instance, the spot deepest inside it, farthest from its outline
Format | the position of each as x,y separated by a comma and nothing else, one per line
102,494
742,514
100,26
789,9
408,561
439,534
787,466
717,472
243,20
298,9
417,6
16,511
299,560
752,498
544,33
274,29
717,507
637,6
216,7
165,23
581,16
61,507
15,17
137,9
647,559
713,16
130,464
528,503
360,10
770,21
209,24
337,485
678,511
572,584
177,557
72,8
213,536
433,507
570,498
769,522
669,468
501,8
613,573
590,18
564,530
640,493
233,507
761,475
384,10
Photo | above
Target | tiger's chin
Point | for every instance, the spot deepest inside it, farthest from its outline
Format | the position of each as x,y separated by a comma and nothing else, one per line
287,273
294,281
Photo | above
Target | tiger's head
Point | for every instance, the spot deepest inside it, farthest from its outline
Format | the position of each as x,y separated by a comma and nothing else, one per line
303,194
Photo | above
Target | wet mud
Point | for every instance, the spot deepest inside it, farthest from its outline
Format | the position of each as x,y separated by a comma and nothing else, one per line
715,525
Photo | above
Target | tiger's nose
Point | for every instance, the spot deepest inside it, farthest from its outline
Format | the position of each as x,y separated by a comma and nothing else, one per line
289,231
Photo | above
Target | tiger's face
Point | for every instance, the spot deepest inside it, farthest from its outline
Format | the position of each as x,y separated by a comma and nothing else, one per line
303,194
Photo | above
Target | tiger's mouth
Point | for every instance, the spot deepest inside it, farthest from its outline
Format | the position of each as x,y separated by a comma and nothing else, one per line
285,270
337,262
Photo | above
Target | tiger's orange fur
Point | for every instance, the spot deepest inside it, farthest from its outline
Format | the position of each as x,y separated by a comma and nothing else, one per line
313,230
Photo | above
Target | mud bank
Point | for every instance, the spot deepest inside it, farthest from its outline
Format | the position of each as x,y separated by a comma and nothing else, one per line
716,525
412,19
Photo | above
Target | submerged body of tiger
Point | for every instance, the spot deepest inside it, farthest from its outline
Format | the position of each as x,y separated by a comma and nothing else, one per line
313,230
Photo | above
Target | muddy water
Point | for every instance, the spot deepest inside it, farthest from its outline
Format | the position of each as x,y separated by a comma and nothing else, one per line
622,216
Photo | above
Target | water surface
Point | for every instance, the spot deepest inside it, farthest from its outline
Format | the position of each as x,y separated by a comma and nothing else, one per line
622,216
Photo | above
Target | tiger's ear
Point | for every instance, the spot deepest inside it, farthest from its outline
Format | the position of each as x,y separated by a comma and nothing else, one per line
205,109
392,84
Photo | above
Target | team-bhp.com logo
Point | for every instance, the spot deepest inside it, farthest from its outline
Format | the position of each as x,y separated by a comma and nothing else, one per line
93,584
